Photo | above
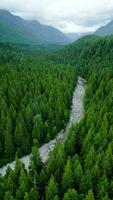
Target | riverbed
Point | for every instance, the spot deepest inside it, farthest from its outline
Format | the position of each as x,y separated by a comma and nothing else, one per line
77,112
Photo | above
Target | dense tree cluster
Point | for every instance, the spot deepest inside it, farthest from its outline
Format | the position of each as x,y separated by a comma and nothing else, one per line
86,164
81,168
35,99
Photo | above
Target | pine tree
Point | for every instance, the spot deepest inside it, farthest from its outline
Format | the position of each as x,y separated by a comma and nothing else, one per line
106,197
9,147
102,187
24,184
71,194
8,196
34,194
78,174
29,116
37,127
52,189
36,161
10,185
108,161
67,178
26,196
90,195
18,134
56,198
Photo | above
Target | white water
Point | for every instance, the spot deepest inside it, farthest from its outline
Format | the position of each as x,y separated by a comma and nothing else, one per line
77,112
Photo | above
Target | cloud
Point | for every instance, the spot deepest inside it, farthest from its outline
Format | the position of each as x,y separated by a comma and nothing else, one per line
68,16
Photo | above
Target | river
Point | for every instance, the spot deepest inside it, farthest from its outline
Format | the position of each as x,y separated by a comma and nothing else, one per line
77,112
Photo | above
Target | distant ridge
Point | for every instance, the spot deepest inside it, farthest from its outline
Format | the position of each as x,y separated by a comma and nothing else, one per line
75,36
105,30
17,30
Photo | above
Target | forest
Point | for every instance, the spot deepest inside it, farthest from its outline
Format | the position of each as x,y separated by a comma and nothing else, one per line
33,92
34,101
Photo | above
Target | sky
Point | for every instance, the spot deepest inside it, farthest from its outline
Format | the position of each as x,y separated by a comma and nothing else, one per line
66,15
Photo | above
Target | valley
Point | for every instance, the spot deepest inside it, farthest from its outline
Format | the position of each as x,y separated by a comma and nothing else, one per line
56,112
76,114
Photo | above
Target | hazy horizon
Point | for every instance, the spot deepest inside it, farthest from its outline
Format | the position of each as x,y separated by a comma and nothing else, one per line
69,17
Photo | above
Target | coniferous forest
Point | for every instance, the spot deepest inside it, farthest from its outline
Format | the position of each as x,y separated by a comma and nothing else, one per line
36,91
34,101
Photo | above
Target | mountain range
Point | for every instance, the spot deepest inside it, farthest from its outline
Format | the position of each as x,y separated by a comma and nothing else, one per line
17,30
14,29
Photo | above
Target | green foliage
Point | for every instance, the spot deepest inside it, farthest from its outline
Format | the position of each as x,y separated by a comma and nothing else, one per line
34,100
34,194
89,143
37,106
52,189
71,195
67,178
90,195
8,196
26,197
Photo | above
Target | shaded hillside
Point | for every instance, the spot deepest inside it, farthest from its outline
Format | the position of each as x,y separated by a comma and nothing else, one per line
17,30
85,51
105,30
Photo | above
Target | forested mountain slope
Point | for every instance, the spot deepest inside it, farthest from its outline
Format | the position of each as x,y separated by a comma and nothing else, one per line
85,51
82,167
17,30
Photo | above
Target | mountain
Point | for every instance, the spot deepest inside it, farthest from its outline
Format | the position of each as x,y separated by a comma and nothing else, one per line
73,36
105,30
17,30
76,36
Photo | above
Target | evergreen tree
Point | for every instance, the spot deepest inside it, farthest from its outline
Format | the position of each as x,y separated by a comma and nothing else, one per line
67,178
71,194
9,148
18,135
34,194
52,189
8,196
37,132
26,197
90,195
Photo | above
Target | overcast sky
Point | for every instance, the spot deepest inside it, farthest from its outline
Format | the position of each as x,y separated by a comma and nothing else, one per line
67,15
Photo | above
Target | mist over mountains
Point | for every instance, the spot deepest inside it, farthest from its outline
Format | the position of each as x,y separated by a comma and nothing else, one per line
14,29
17,30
